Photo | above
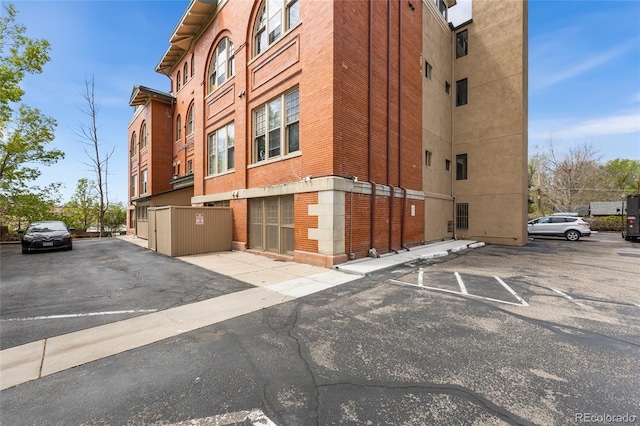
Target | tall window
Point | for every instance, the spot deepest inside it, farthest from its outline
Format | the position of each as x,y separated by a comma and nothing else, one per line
222,150
462,215
274,122
275,18
191,127
461,92
144,181
427,158
143,136
192,63
461,44
185,73
179,81
178,128
134,186
461,167
134,144
222,66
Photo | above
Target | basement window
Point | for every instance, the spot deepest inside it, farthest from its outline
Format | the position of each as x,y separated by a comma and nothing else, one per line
462,215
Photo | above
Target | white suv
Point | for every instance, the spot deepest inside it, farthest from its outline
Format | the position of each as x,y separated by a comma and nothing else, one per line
565,225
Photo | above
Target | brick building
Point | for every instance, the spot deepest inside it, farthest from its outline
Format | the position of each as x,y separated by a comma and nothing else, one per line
339,129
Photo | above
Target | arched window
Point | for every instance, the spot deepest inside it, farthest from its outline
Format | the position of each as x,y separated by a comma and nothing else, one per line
222,66
134,144
178,128
185,71
192,64
178,81
143,136
191,127
274,19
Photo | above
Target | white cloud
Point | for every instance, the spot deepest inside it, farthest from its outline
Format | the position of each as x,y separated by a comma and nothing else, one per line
588,64
589,128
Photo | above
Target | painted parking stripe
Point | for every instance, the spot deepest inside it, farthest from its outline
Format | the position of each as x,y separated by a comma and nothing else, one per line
252,418
566,296
463,288
443,290
88,314
637,304
510,290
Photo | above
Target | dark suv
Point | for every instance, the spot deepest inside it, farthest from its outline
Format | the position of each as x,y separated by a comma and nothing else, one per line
560,225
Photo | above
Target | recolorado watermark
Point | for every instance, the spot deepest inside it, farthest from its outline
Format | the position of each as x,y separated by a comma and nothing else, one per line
581,418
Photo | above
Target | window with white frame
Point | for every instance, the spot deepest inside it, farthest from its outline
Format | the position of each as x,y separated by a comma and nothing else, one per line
191,127
178,81
178,128
134,186
276,127
222,66
144,182
274,19
222,149
143,136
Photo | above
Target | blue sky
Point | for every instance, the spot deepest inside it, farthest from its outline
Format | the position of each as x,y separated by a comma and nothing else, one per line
584,74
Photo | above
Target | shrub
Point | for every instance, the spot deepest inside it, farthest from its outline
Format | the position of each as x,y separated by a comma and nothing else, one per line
606,223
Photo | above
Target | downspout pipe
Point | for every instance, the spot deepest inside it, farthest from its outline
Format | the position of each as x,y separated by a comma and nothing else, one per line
372,226
391,188
404,190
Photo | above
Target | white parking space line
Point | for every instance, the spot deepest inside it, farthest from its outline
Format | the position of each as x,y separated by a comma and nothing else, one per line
566,296
89,314
510,290
463,288
249,418
443,290
420,277
637,304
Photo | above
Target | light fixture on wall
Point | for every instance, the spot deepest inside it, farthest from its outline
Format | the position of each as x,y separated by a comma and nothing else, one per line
241,94
411,6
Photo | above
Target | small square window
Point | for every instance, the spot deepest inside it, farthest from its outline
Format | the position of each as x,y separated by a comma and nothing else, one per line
427,158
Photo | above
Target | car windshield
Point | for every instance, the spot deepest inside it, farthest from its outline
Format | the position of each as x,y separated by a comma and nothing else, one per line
47,227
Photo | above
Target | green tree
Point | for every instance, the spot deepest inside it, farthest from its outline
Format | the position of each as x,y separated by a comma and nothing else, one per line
115,216
82,210
32,206
24,131
622,176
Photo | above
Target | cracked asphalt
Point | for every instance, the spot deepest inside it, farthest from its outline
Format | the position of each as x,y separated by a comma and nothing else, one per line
376,352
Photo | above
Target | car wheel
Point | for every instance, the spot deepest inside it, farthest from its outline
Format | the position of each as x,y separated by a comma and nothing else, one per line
572,235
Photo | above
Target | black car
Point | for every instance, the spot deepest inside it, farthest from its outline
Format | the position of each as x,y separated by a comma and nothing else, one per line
46,235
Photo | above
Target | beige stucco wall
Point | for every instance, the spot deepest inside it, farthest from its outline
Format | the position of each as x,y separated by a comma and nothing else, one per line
492,128
436,123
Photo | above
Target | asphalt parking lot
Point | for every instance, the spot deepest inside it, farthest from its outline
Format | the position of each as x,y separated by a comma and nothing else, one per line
386,350
51,293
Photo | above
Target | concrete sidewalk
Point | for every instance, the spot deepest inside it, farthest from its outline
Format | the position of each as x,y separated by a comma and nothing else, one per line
276,282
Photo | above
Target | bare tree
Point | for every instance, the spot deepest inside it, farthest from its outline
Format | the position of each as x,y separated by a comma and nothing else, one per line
573,177
91,145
